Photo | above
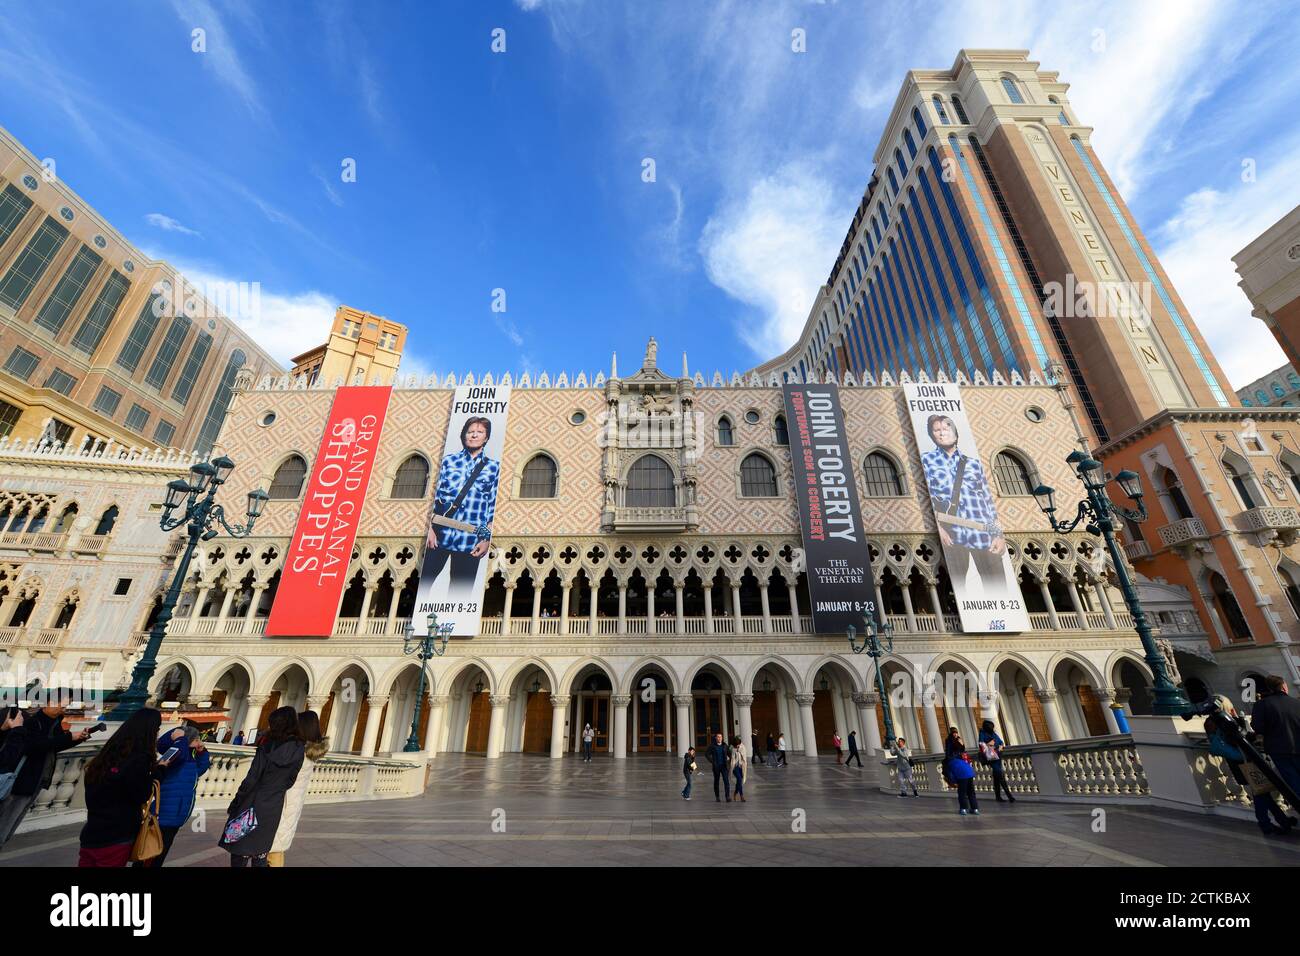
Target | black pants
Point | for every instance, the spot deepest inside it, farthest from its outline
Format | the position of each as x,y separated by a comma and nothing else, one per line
853,755
780,758
464,569
243,861
720,773
168,835
988,565
999,781
966,794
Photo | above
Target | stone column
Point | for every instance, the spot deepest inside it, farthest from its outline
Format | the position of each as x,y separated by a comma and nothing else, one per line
392,608
1104,599
1079,611
366,598
373,713
619,702
866,704
227,599
651,627
668,724
682,702
537,607
708,608
564,607
745,716
255,704
1107,697
935,606
505,611
735,608
1048,699
251,616
794,606
622,607
317,702
433,732
805,702
591,608
200,597
767,610
934,741
559,710
907,606
497,725
680,588
1051,608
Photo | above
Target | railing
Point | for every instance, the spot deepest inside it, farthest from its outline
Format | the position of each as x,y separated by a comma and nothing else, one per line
1137,550
35,540
90,543
10,635
1269,519
1183,531
1040,622
49,636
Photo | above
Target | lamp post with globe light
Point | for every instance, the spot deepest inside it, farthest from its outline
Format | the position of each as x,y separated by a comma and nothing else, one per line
432,644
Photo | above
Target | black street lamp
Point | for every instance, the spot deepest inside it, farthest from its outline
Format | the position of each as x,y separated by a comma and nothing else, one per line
202,515
433,644
1099,510
872,645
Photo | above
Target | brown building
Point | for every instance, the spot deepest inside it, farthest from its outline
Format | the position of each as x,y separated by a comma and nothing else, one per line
362,348
97,341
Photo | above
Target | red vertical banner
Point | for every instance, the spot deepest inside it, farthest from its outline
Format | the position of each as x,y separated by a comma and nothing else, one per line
315,569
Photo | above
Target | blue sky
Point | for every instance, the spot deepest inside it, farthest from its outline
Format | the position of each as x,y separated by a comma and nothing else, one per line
523,170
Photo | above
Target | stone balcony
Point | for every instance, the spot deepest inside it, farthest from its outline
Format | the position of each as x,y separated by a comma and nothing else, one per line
1137,550
1271,524
625,519
1184,535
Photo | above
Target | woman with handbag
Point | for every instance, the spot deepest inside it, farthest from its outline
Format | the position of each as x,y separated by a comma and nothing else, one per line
960,771
1260,789
120,781
254,815
315,746
738,762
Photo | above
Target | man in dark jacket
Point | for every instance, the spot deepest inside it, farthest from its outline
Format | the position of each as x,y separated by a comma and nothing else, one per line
1277,719
718,754
753,743
853,749
43,740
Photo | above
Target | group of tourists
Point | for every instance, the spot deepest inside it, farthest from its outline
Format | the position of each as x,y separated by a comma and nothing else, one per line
730,762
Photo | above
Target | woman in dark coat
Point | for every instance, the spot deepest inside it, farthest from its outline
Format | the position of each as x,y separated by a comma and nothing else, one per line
275,767
960,771
119,780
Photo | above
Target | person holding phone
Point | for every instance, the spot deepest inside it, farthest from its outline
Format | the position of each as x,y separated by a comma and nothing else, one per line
42,740
184,759
119,779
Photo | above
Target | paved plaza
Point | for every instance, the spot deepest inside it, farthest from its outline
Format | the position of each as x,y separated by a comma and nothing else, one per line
630,812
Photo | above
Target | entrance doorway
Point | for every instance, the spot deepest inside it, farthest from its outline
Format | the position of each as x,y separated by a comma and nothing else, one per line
592,706
710,708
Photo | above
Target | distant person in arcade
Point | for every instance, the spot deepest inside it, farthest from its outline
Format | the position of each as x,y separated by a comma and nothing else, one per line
460,527
963,506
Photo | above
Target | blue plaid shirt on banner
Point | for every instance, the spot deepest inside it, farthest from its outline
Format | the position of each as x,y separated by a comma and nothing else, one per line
480,501
975,503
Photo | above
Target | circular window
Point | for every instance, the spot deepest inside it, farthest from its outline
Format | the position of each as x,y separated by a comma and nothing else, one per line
268,419
752,416
67,214
578,417
128,265
212,325
30,181
1035,414
100,241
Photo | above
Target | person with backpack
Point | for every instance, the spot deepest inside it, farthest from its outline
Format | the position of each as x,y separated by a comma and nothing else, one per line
179,784
31,748
853,749
991,756
960,771
688,771
315,746
254,815
739,766
1261,790
719,753
903,767
119,781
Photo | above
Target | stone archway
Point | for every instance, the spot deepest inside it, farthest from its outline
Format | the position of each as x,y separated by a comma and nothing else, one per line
833,711
651,723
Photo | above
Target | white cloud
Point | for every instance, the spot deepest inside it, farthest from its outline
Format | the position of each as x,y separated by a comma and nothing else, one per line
169,224
773,248
220,56
330,191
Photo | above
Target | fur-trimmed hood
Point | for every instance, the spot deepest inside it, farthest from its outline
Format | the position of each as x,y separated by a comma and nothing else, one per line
316,749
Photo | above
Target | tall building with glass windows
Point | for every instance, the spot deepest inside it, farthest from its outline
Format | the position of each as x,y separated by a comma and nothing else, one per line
92,345
991,239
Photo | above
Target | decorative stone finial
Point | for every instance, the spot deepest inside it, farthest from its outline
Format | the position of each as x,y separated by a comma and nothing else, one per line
651,354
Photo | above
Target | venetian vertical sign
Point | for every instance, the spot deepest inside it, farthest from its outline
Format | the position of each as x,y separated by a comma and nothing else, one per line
837,558
973,541
316,567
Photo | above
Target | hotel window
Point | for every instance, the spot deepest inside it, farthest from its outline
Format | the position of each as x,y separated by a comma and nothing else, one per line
107,400
726,436
60,303
95,324
13,206
540,478
220,402
1241,483
1012,475
107,520
1292,592
164,433
287,483
960,111
1013,91
412,478
650,484
146,324
902,164
893,184
920,125
193,365
137,418
1229,610
910,143
9,415
757,477
882,479
161,366
31,263
57,432
60,381
782,430
938,108
21,363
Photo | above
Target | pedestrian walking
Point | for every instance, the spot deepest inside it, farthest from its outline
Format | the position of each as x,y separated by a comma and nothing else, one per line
753,744
903,767
588,735
1276,718
960,771
838,744
30,756
719,753
688,771
739,767
1261,790
118,782
315,746
254,815
179,781
853,749
780,750
771,750
991,756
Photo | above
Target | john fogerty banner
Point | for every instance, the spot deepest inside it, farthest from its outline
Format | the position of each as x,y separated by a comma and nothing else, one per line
315,569
837,559
458,532
974,545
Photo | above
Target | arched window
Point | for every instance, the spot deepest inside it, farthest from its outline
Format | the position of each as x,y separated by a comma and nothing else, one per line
920,124
881,475
1013,91
1064,120
1012,475
726,436
782,430
412,478
287,483
902,164
539,478
893,183
107,520
1229,610
938,108
1261,396
960,111
1292,591
650,484
66,518
1278,390
1177,499
757,477
1241,483
1292,474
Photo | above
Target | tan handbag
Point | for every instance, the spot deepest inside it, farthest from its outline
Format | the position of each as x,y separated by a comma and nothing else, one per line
149,841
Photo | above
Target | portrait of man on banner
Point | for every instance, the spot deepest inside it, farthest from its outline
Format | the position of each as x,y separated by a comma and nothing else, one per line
460,524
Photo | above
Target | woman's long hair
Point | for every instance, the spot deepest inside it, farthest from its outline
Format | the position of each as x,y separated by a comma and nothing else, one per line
136,735
282,726
309,726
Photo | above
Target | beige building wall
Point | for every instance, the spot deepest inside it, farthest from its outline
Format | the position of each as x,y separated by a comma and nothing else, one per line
362,348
